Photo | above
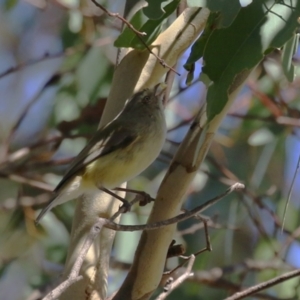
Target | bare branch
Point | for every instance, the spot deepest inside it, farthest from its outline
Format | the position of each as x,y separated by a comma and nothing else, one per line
74,274
207,239
102,222
54,294
116,15
207,248
46,56
138,34
184,216
32,182
262,286
188,273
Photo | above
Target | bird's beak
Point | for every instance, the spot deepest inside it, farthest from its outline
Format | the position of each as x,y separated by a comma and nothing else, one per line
159,89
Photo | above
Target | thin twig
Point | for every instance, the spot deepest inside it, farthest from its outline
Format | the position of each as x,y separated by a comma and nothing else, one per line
207,239
23,201
207,247
74,274
122,209
184,216
262,286
53,79
116,15
54,294
32,182
46,56
102,222
138,35
32,62
228,285
188,273
86,246
211,224
161,61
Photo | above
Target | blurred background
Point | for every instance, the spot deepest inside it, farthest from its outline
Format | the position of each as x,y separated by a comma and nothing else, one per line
56,64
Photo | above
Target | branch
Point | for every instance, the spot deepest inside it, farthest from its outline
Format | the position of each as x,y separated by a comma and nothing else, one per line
184,216
188,273
31,182
144,71
262,286
108,223
46,56
116,15
54,294
139,35
207,248
74,274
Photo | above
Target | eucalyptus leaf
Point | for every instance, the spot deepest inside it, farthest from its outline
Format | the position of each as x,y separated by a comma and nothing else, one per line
125,38
199,46
227,8
288,52
154,10
231,53
152,28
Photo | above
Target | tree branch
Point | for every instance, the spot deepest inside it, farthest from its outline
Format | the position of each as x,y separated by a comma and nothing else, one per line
116,15
262,286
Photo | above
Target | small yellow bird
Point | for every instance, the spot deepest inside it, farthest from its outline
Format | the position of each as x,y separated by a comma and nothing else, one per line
117,152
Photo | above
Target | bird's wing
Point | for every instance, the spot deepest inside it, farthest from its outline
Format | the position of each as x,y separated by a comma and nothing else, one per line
106,140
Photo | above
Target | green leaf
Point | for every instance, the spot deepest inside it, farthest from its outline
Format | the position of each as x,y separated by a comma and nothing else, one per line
154,10
190,76
227,8
125,38
288,52
199,46
282,22
152,28
231,53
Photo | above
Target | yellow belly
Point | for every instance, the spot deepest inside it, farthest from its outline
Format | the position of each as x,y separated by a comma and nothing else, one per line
112,170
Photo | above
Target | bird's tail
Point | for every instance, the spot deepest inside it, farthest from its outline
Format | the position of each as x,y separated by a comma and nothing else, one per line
50,205
68,192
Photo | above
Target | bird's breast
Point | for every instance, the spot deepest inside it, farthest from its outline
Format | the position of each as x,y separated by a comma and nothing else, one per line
123,164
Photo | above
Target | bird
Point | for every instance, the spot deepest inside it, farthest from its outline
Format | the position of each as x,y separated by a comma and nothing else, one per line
117,152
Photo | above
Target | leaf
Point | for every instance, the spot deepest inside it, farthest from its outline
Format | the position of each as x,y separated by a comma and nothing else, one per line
288,52
227,8
125,38
154,10
190,76
152,28
232,52
199,46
